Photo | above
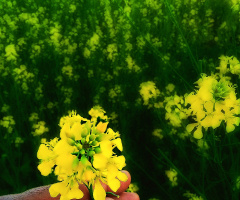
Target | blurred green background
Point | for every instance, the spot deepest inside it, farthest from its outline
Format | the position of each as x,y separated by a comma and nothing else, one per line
63,55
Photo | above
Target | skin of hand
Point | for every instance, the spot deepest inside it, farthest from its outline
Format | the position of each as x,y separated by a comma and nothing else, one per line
42,193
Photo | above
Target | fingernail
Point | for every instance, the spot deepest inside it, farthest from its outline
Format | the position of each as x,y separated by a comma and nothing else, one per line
108,198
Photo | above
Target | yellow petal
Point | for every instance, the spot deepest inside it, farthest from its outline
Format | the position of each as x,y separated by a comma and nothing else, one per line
118,143
46,167
198,133
43,152
190,127
75,192
119,161
230,127
106,148
99,193
122,176
112,171
101,127
57,188
99,161
114,184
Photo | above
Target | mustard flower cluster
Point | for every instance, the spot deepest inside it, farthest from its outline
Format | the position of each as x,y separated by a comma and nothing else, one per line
23,77
192,196
8,123
133,187
172,176
38,126
214,101
83,155
149,93
229,64
175,110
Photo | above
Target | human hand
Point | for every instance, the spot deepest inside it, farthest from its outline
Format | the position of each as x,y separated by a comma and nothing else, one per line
42,193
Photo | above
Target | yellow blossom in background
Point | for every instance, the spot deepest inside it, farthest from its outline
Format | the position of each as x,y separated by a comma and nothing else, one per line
84,154
133,187
86,52
23,77
97,111
11,53
192,196
33,117
5,108
18,141
158,133
43,140
112,51
39,128
169,88
131,65
175,110
8,123
68,71
72,8
148,91
215,101
172,176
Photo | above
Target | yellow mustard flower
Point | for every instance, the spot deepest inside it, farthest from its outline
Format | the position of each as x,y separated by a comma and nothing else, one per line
215,101
172,176
192,196
83,155
11,53
39,128
148,91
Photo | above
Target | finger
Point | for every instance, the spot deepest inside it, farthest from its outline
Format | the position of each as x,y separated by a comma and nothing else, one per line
84,189
42,193
125,196
123,186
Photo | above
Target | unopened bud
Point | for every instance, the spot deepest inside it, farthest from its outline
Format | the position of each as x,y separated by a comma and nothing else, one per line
70,141
94,143
83,140
91,153
79,146
97,150
99,138
92,137
84,160
82,151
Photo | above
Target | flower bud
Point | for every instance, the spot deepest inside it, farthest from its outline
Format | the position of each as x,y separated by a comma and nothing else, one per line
84,160
92,137
97,150
83,140
91,153
82,151
70,141
94,143
99,138
79,146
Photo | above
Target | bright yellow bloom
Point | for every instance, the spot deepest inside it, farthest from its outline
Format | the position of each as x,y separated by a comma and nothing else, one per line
172,176
148,91
83,155
215,101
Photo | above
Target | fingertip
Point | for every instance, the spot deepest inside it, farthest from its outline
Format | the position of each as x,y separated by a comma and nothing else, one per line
128,196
